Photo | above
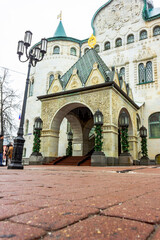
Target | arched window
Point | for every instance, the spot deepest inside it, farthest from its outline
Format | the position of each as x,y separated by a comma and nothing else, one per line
107,46
51,78
85,50
31,86
73,51
156,30
27,127
118,42
141,73
149,74
56,50
130,38
143,34
145,73
154,125
97,49
122,72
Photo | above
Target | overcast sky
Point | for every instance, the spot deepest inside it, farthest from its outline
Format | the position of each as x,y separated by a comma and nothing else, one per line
40,17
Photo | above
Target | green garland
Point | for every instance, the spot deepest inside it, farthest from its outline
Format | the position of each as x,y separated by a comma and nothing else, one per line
36,141
144,147
98,138
124,139
69,149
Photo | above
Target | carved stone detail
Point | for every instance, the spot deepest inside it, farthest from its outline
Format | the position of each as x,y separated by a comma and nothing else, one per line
117,15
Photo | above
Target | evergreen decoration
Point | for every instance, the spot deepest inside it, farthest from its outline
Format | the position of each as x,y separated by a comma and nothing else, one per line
37,141
144,147
98,138
124,139
69,149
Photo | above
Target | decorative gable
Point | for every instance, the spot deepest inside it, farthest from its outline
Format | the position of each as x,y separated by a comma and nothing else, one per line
74,81
116,79
95,76
55,86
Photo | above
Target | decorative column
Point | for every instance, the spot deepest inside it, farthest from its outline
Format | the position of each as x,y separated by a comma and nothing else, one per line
98,157
125,157
144,159
36,157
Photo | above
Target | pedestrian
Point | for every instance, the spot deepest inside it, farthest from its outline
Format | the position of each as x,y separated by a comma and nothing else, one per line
6,154
1,150
10,153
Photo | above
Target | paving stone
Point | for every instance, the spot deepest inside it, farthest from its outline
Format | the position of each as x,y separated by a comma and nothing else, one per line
7,211
132,210
156,235
103,228
55,217
14,231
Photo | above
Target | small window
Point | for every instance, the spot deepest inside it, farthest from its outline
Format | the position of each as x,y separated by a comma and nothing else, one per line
154,125
97,49
149,74
156,31
31,86
107,46
56,50
130,38
85,50
27,127
51,78
118,42
143,34
141,71
122,72
73,52
24,152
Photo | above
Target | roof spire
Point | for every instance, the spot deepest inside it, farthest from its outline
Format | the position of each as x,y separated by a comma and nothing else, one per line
60,32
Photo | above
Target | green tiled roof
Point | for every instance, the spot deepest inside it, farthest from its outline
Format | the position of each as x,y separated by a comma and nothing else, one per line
60,32
84,67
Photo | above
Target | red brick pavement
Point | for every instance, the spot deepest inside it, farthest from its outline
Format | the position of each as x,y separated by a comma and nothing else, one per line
80,203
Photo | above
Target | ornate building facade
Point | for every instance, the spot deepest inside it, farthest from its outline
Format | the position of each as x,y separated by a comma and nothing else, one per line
121,73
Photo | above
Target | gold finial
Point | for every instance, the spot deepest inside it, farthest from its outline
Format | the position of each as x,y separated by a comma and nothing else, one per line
92,41
60,15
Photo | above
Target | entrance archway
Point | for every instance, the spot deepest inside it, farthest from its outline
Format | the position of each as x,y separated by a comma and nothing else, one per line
80,118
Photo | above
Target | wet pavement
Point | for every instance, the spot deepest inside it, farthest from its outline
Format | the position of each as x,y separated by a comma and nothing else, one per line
89,203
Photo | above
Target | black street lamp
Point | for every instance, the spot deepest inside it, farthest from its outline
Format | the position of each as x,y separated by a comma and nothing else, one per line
70,139
124,124
98,122
144,159
98,118
34,55
38,124
143,132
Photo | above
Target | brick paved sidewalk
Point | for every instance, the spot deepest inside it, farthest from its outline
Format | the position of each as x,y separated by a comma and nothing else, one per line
89,203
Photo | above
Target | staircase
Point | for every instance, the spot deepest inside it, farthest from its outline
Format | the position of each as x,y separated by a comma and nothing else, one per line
73,160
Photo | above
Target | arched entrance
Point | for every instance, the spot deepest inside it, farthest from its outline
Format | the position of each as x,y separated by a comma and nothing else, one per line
80,119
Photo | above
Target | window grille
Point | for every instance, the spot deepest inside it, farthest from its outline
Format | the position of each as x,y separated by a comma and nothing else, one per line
154,125
130,38
143,34
156,31
56,50
118,42
107,46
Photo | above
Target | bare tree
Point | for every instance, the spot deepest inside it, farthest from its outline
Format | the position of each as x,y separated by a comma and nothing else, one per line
9,104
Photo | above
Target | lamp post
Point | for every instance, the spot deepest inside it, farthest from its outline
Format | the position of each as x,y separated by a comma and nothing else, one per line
70,139
144,159
37,133
98,122
34,55
124,123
